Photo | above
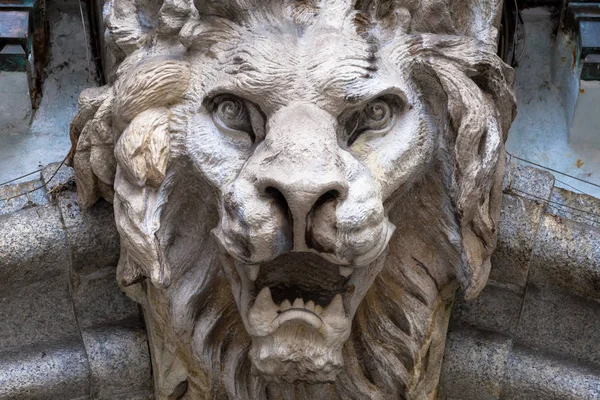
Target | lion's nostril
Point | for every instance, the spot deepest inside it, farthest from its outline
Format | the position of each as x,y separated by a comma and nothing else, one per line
308,206
325,197
276,195
279,200
273,192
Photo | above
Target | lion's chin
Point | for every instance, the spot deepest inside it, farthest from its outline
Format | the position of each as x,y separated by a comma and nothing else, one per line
296,352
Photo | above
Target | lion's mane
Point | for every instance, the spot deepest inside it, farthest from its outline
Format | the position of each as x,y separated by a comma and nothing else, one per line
390,337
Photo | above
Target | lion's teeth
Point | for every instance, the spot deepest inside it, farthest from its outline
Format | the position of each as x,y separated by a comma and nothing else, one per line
310,306
253,271
264,301
285,305
298,303
335,308
318,309
346,271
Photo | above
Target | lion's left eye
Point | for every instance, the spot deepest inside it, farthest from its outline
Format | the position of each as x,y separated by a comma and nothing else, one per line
231,113
377,117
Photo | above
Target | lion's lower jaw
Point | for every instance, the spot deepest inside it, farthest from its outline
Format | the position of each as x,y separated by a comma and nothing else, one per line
287,358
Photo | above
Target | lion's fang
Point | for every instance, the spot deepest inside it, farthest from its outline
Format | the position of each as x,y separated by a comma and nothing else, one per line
264,301
253,271
336,308
346,271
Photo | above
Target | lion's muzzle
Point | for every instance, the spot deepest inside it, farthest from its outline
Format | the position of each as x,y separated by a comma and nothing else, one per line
302,191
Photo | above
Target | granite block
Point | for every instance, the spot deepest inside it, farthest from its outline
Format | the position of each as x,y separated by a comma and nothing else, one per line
36,313
474,363
496,309
575,206
45,372
567,255
527,181
98,299
560,323
519,221
119,360
32,245
18,196
92,233
535,376
58,179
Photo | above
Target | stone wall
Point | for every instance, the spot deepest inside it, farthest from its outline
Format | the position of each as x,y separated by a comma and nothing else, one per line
67,331
534,332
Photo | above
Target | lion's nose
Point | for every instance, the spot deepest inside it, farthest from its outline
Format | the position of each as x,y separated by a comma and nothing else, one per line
305,199
300,166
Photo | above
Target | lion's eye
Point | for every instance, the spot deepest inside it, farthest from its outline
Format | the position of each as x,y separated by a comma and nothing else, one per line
376,117
232,114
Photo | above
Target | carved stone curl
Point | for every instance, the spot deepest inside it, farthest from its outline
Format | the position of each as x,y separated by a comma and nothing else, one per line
299,186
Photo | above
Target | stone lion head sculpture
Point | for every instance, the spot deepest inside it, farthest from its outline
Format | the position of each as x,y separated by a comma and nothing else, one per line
299,186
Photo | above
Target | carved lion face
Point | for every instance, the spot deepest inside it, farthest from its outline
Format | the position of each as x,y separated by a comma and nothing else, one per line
309,150
330,156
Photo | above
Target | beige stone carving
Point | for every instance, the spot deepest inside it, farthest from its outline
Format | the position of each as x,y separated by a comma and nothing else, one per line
299,186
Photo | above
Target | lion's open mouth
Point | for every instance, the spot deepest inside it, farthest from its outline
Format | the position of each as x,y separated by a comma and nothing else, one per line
300,287
298,310
303,276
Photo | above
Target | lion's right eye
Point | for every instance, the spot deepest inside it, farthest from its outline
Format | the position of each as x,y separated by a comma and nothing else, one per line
232,115
375,118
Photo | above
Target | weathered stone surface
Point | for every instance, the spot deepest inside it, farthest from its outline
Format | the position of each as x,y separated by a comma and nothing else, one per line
534,376
98,300
519,222
474,364
32,245
36,313
92,234
58,179
560,323
496,309
523,205
18,196
45,372
42,355
528,181
549,265
567,255
575,206
119,361
485,365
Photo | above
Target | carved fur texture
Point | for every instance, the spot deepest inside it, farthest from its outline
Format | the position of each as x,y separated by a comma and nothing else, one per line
299,187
